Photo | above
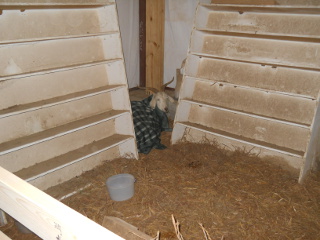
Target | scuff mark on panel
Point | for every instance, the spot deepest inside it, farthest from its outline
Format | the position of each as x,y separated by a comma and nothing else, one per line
12,68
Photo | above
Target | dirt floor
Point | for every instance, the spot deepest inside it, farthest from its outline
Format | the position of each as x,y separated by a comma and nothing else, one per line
234,195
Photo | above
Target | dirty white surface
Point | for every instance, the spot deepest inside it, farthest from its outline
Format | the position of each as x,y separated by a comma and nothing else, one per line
179,17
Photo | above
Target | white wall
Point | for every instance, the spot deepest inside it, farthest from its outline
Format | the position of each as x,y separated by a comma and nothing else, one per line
178,26
128,13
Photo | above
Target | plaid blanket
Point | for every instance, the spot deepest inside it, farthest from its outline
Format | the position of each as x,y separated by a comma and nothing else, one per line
148,125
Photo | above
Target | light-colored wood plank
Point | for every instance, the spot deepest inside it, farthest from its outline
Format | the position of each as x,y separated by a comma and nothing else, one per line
196,133
275,24
72,157
52,3
45,216
261,50
24,108
56,23
251,127
74,170
155,10
263,103
292,81
59,131
245,2
31,57
31,155
124,229
44,117
63,173
299,2
243,139
262,3
277,9
59,82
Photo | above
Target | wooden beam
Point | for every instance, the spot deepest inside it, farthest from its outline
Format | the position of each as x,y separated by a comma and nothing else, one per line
245,2
142,42
45,216
155,12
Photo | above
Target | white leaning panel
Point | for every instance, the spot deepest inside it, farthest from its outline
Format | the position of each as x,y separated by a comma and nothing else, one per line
252,80
62,78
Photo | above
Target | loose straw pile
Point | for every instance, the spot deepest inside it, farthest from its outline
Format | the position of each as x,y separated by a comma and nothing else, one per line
176,226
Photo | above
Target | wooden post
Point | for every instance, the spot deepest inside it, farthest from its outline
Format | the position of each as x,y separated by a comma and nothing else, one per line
155,12
142,42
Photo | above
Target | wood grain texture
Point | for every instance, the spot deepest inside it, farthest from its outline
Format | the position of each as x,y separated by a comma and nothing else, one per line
155,10
45,216
142,42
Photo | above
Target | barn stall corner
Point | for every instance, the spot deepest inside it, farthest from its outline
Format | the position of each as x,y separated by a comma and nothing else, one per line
248,104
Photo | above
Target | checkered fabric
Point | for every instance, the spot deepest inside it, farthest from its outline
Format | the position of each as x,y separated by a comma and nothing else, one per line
148,125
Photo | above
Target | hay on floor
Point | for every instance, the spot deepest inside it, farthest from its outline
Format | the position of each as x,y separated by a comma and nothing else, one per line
233,195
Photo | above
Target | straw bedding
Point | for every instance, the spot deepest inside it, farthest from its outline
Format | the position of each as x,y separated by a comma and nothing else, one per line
228,195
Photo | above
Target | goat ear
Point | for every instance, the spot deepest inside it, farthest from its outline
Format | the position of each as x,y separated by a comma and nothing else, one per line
171,99
153,101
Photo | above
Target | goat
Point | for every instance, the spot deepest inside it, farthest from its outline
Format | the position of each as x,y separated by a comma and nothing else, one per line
150,119
160,98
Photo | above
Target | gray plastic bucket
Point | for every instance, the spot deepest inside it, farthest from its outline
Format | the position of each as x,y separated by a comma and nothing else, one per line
121,186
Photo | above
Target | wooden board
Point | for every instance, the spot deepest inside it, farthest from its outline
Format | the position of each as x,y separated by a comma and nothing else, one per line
251,127
245,2
142,42
192,133
66,3
124,229
54,84
262,103
247,48
155,42
45,216
246,20
55,24
31,57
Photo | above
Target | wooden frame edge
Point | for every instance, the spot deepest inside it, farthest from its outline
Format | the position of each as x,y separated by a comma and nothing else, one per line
45,216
